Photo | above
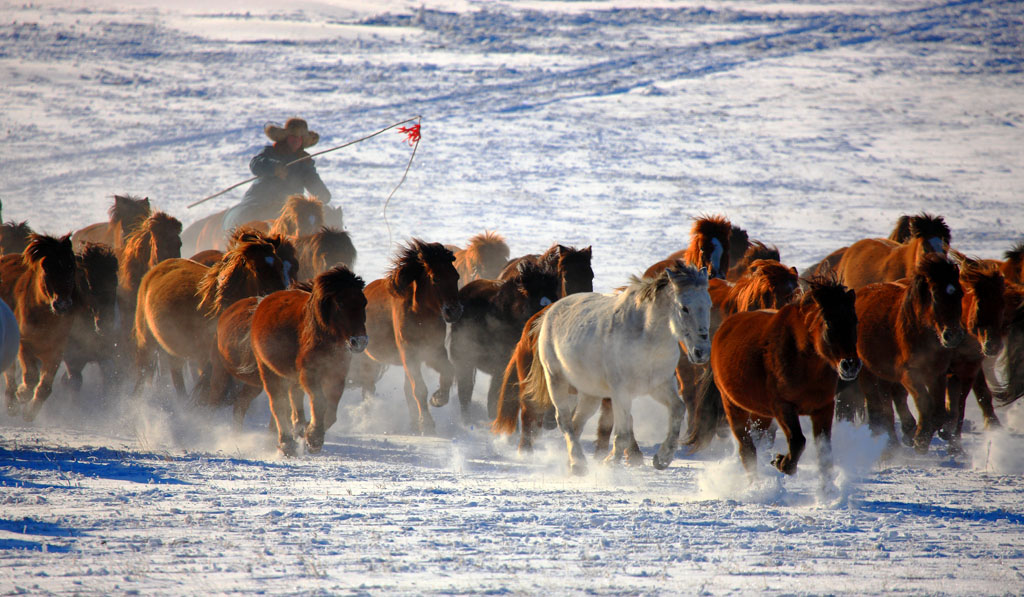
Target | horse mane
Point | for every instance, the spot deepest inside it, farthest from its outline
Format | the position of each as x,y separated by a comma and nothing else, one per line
901,232
327,241
982,278
218,287
824,290
570,256
98,265
1014,254
283,247
324,290
706,226
757,289
756,250
296,208
925,225
128,210
930,266
645,290
137,250
41,246
411,262
528,274
14,237
483,249
739,243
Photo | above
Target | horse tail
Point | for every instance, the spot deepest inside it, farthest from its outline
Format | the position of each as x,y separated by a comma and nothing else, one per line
508,401
707,414
1013,362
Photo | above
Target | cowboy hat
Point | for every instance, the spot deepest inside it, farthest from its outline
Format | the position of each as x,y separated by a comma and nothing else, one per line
294,126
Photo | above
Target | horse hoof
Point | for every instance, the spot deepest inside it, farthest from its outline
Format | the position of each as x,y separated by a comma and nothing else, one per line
785,465
992,423
314,440
13,408
578,469
908,440
30,411
286,449
659,463
438,400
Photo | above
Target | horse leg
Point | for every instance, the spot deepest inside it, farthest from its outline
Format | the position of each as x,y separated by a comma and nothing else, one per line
686,376
416,396
176,365
821,427
623,429
669,396
298,416
528,425
48,371
29,374
493,394
789,422
878,402
564,403
10,389
437,359
586,406
242,401
930,400
740,422
465,377
604,428
315,429
277,392
849,401
983,395
908,424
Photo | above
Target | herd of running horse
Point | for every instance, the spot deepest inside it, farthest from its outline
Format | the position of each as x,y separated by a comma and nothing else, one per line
721,332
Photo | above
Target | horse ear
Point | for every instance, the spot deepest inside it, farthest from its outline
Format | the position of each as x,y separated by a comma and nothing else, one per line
587,251
795,273
852,294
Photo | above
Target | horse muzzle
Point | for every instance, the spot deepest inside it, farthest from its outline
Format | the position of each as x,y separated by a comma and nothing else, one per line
951,337
451,312
991,344
849,368
699,353
60,306
358,343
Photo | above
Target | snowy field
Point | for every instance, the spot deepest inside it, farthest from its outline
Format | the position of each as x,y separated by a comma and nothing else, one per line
611,124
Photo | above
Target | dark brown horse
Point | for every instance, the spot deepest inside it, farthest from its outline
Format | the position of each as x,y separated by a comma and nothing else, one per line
906,334
126,213
756,250
94,333
180,300
874,260
571,264
39,285
780,365
709,248
324,249
14,237
492,320
405,318
483,259
303,339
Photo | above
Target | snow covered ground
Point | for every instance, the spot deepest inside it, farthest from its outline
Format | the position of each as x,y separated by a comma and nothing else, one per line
608,124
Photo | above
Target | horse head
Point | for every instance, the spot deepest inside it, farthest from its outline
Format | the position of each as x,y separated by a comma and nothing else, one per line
690,319
574,270
530,290
54,262
300,216
709,245
165,237
329,247
128,212
14,237
834,324
339,307
424,273
97,286
488,252
771,285
936,288
251,267
984,304
933,232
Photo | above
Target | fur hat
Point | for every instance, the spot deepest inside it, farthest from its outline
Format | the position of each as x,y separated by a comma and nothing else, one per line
294,126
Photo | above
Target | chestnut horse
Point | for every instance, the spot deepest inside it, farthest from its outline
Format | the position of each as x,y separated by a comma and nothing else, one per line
621,346
483,259
303,339
709,247
571,264
874,260
179,301
126,213
322,250
780,365
40,284
405,317
94,332
9,336
14,237
494,313
156,239
905,335
755,250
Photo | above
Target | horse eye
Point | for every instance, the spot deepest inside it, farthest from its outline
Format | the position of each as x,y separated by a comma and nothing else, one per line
686,309
950,289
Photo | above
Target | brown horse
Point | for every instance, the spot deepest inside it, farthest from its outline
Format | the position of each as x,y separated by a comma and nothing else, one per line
304,339
39,285
755,250
405,318
14,237
300,216
179,301
492,320
905,336
94,333
207,257
571,264
126,213
285,249
156,239
780,365
324,249
983,310
874,260
483,259
709,248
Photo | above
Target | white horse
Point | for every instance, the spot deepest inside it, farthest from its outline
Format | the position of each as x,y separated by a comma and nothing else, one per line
10,337
622,345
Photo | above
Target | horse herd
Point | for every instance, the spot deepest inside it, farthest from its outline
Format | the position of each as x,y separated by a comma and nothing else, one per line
721,333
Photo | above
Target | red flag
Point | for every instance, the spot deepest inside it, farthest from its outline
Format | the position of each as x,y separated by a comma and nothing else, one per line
412,134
